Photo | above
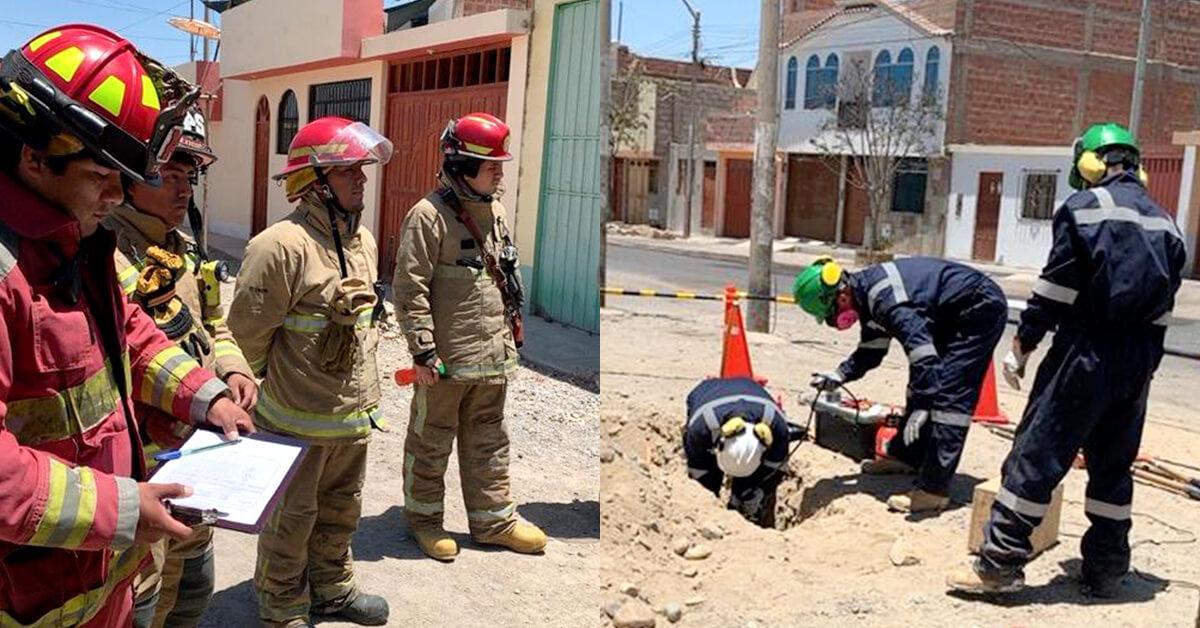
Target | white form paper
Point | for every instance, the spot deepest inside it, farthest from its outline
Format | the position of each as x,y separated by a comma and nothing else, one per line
238,479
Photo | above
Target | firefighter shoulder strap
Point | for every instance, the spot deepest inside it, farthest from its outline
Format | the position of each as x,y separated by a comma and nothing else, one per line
512,311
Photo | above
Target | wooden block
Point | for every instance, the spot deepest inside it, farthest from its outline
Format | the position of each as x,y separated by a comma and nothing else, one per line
1044,536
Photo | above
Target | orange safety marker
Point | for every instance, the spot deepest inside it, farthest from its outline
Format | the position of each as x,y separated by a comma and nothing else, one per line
988,408
735,353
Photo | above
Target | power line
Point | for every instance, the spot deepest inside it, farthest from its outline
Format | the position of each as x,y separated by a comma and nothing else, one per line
150,17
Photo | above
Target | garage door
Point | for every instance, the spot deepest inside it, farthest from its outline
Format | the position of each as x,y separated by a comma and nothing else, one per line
422,96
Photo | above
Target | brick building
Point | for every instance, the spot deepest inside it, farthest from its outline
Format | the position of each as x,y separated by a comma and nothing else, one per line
1022,79
650,174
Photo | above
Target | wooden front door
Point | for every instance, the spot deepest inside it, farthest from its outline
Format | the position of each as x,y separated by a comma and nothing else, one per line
811,210
739,177
710,196
854,219
987,215
262,151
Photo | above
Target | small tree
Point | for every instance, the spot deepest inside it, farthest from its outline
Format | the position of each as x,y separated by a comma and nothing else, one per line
877,123
626,118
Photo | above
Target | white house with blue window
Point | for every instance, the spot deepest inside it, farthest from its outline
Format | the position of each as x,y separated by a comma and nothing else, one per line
897,56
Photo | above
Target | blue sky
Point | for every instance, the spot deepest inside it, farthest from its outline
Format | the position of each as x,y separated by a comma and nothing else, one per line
143,21
663,28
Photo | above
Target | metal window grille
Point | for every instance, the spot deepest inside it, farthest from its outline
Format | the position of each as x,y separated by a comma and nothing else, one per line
348,99
468,69
1037,197
287,123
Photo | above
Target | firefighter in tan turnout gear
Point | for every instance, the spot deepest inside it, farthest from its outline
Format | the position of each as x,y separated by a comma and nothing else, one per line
160,268
304,313
457,293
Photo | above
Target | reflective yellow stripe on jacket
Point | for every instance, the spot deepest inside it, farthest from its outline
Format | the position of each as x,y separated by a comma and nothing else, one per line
71,411
128,279
83,607
316,424
314,323
481,371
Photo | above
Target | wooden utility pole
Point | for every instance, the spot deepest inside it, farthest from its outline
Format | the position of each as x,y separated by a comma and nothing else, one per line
766,137
1139,75
605,132
692,106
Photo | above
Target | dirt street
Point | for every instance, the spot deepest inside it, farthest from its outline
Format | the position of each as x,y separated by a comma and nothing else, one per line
555,477
830,564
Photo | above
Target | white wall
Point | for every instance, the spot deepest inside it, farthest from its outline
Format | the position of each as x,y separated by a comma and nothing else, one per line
1182,215
1020,242
231,184
846,34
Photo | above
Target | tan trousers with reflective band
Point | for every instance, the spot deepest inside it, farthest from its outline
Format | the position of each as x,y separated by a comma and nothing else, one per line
474,413
165,570
305,546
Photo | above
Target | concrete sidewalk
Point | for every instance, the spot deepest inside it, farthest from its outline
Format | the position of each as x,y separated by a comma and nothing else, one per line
793,255
550,346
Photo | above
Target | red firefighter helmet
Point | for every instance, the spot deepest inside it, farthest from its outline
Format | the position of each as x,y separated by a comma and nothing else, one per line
477,135
87,87
333,141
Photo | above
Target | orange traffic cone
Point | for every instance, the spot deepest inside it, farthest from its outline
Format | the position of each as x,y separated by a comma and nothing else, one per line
735,354
988,408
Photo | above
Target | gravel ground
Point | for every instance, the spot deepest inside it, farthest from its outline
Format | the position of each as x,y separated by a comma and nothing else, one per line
552,422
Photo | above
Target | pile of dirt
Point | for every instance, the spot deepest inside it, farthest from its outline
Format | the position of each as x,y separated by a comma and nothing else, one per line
672,553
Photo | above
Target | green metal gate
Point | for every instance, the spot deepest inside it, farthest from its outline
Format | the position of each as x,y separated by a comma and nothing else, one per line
566,286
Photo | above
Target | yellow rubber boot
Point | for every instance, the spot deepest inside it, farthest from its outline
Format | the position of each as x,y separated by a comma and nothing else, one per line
436,544
522,537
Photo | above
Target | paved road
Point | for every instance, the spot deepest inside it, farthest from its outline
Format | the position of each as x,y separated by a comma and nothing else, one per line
640,268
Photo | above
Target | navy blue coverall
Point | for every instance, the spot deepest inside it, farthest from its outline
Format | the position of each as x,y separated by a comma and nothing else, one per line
949,318
712,403
1108,288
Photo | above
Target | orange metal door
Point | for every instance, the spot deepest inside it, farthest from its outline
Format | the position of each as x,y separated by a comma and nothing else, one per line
987,215
739,175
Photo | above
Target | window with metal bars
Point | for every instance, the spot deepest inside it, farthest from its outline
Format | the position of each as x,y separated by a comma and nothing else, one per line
467,69
1037,197
348,99
287,123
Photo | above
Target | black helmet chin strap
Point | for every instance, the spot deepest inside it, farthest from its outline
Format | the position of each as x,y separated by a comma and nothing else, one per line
329,200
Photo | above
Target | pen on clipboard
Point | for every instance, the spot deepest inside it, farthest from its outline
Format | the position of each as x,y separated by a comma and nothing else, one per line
163,456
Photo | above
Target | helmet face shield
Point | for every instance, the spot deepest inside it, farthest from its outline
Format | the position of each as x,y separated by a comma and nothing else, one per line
331,141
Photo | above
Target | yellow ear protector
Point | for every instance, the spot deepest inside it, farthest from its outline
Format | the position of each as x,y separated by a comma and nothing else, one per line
736,425
831,271
1092,168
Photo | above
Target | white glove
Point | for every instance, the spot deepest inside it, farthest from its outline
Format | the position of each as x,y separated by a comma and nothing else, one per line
826,381
1014,367
913,428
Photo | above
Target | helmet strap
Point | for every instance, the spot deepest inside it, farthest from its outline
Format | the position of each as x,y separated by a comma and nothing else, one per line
329,200
463,190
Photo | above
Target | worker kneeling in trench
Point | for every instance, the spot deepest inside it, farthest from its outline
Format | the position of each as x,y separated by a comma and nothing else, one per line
735,428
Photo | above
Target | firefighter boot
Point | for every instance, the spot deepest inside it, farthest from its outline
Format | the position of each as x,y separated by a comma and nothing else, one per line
917,500
521,537
436,544
971,580
364,610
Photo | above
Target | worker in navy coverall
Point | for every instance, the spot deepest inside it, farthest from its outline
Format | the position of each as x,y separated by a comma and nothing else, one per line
949,318
735,428
1106,291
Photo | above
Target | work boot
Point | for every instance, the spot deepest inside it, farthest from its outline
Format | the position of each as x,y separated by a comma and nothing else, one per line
1102,588
522,537
969,580
886,466
365,610
917,500
436,544
298,622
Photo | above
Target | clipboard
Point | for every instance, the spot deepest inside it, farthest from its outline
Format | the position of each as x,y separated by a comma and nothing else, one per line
251,477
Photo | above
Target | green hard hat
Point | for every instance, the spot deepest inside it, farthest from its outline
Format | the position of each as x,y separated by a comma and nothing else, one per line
1098,138
1104,135
815,288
